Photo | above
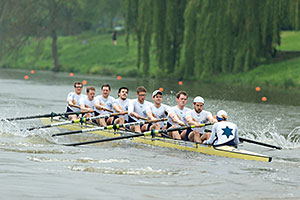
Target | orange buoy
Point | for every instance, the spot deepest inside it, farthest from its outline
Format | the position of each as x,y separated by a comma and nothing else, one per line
26,77
32,71
264,99
257,89
180,83
119,77
84,82
71,74
161,89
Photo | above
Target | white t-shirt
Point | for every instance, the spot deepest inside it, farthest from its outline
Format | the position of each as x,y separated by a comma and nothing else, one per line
180,113
72,96
124,105
223,132
137,107
108,103
201,117
161,112
84,100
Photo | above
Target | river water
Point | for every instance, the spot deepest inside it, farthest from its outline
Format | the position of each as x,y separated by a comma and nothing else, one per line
34,165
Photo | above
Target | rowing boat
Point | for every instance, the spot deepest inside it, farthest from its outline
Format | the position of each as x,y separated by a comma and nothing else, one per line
225,151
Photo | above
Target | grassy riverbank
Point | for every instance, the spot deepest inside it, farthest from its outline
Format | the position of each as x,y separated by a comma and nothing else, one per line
284,71
95,54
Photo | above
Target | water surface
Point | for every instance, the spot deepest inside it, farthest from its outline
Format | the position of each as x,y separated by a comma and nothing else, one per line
34,166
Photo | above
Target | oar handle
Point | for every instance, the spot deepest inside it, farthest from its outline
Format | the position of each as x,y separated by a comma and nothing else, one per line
143,118
75,106
156,120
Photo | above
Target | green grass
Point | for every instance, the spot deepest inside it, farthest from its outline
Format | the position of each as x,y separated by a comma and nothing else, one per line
285,74
99,56
282,72
290,41
86,53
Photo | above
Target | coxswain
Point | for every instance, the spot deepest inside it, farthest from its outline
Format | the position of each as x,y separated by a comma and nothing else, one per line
223,132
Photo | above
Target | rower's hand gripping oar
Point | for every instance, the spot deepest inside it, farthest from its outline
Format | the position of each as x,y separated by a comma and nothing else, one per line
81,120
148,133
110,127
42,116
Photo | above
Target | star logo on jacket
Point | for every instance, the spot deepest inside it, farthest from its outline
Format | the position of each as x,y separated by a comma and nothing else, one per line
227,131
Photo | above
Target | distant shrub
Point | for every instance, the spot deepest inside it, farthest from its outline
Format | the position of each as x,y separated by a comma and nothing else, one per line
132,72
103,70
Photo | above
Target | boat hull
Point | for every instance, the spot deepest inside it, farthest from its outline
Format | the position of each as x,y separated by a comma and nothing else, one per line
225,151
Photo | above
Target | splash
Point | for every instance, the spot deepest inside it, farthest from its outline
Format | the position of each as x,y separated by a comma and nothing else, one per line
294,137
13,129
147,171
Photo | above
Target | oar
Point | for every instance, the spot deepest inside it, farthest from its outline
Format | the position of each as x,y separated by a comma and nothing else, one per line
110,127
259,143
152,132
41,116
81,120
75,106
104,108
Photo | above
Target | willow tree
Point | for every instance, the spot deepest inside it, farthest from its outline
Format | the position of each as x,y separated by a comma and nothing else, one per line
162,19
216,36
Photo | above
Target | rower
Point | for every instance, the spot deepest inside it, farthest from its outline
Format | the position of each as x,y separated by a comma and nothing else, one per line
159,110
87,102
223,132
139,109
104,105
121,105
177,115
196,117
73,100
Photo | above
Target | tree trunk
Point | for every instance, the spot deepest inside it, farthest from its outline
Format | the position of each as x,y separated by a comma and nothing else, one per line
54,51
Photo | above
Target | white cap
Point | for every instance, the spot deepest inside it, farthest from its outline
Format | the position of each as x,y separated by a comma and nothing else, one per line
198,99
156,92
221,115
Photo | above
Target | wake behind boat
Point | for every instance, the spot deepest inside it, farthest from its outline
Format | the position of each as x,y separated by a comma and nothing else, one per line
225,151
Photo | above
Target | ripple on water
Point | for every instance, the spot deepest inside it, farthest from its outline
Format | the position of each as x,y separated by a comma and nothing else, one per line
78,160
146,171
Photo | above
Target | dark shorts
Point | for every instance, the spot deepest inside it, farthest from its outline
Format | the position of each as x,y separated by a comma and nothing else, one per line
106,118
229,143
69,110
169,125
130,120
188,131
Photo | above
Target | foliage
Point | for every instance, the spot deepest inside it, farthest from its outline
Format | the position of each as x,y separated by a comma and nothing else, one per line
216,36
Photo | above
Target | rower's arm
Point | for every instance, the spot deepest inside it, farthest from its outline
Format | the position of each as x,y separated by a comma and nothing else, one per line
150,115
212,136
190,120
70,103
98,106
211,119
117,108
131,110
176,119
